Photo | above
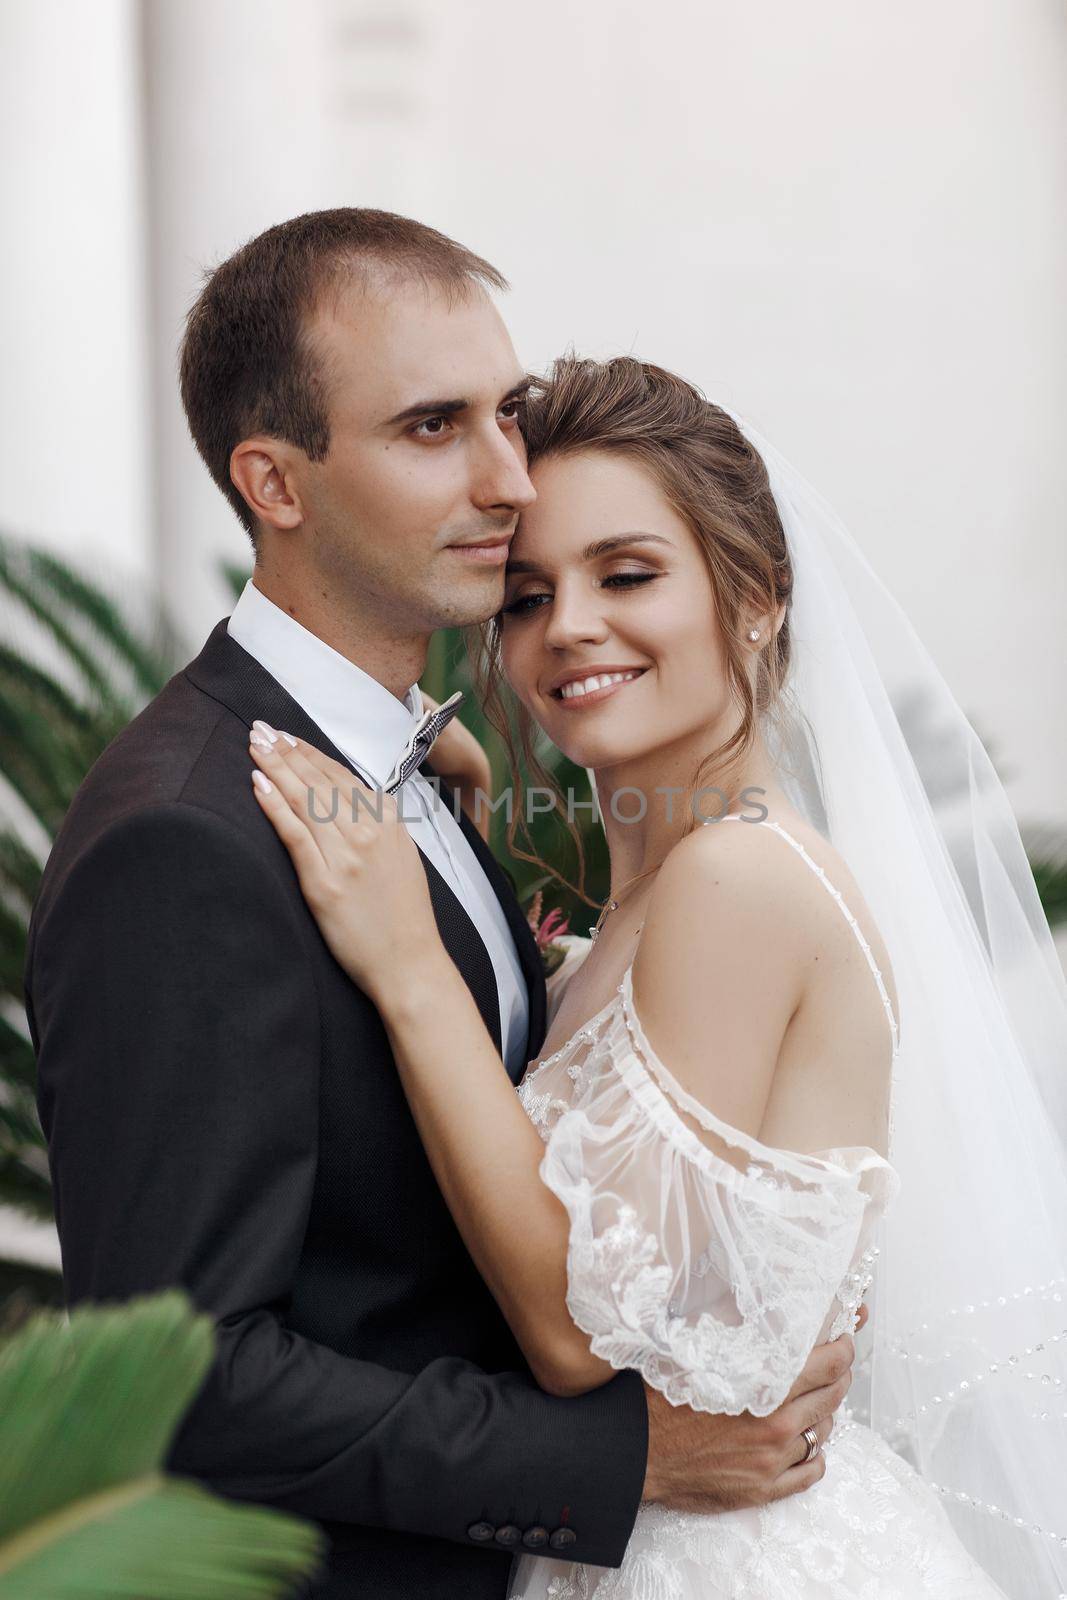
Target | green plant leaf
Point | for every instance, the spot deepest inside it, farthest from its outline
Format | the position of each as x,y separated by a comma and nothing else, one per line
159,1539
22,1186
17,1065
20,870
101,617
87,1411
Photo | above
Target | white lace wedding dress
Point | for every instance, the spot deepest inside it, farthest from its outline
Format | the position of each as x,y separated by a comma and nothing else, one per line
713,1264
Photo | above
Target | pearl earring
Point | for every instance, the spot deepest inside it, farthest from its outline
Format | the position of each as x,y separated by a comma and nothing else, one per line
753,634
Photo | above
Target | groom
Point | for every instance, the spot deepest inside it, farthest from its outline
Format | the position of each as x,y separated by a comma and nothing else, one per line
220,1102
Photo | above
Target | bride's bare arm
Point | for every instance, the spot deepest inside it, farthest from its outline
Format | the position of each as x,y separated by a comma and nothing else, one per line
366,885
485,1153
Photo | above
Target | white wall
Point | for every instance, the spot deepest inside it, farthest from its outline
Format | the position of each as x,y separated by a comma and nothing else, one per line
847,221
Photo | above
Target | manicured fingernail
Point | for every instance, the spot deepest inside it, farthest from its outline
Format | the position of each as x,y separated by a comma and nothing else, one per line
260,740
262,782
290,738
265,729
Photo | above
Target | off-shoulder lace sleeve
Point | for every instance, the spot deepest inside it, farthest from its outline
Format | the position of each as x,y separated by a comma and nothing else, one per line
703,1259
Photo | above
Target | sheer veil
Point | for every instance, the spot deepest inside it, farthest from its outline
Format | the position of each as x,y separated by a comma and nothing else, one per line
964,1362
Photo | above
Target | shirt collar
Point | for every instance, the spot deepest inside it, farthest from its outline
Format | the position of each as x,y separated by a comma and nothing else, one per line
366,722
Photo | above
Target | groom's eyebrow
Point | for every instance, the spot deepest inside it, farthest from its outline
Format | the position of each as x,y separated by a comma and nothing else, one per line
599,547
451,407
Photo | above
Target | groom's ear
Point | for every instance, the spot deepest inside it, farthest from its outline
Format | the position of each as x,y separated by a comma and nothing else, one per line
261,469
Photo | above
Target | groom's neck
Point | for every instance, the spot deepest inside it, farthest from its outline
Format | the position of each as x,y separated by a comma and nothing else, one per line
395,659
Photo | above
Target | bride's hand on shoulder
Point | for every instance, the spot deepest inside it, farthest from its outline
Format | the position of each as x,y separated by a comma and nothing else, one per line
358,867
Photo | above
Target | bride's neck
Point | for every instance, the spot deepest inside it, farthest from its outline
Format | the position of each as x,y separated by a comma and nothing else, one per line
647,809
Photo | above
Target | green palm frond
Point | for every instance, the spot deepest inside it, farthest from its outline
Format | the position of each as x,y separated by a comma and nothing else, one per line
22,578
76,665
91,627
16,1058
87,1413
23,1187
23,1156
46,737
18,1124
20,870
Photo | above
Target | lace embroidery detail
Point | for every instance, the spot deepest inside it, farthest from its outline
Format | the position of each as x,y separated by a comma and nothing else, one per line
724,1315
585,1035
851,1295
538,1107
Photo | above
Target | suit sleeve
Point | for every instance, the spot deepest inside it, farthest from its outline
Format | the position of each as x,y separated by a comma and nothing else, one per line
174,1012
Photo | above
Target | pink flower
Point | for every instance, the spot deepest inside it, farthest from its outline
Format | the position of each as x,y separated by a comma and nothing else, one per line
546,929
555,926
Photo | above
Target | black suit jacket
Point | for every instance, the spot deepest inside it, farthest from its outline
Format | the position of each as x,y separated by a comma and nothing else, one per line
222,1113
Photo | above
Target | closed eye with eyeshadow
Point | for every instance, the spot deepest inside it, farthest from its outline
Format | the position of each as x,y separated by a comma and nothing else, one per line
525,604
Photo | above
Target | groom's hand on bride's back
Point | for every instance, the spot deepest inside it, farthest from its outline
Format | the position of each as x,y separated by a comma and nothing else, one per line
699,1462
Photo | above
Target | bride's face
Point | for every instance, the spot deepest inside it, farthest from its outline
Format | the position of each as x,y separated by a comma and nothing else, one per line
605,578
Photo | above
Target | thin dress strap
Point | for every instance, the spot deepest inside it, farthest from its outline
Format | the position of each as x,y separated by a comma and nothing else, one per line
835,894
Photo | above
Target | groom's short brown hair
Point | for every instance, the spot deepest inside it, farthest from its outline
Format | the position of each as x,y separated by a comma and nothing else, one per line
246,364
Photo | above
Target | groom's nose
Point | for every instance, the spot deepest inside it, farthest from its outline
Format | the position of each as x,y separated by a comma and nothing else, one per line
499,480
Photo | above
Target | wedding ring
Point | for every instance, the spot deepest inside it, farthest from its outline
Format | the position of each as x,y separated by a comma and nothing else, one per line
811,1439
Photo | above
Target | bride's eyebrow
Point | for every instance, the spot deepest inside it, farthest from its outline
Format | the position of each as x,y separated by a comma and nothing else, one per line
599,547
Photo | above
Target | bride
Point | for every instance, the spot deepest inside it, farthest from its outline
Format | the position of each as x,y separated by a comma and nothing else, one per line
814,1046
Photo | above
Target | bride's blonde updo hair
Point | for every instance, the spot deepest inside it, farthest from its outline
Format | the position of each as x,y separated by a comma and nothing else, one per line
717,482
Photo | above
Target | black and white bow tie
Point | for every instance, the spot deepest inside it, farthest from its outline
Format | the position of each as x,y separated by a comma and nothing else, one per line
422,737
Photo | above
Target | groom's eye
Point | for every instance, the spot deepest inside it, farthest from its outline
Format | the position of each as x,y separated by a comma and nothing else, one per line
434,426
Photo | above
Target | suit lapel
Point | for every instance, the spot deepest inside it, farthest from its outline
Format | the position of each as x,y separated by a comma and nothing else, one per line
525,943
231,676
519,928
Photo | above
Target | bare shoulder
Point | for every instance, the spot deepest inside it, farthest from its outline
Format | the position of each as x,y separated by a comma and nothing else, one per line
735,913
728,874
721,967
782,868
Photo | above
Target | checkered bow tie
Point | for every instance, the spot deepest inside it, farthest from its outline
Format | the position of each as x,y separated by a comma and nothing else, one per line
422,737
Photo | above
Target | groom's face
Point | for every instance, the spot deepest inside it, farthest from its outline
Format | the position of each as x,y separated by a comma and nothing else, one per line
413,510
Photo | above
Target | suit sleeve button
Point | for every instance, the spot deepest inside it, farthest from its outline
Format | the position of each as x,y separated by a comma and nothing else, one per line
508,1535
535,1538
562,1538
481,1532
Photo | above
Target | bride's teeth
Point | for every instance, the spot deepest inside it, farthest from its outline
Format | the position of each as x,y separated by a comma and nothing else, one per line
581,686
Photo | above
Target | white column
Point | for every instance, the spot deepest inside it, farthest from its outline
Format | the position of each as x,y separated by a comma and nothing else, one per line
74,444
237,128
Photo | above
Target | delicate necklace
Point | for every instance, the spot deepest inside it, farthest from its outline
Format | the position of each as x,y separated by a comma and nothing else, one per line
613,903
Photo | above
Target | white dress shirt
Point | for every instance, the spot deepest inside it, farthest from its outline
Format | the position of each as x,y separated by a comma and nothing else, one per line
371,727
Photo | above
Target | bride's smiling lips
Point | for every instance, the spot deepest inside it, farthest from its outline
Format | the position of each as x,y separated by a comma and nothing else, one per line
583,687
